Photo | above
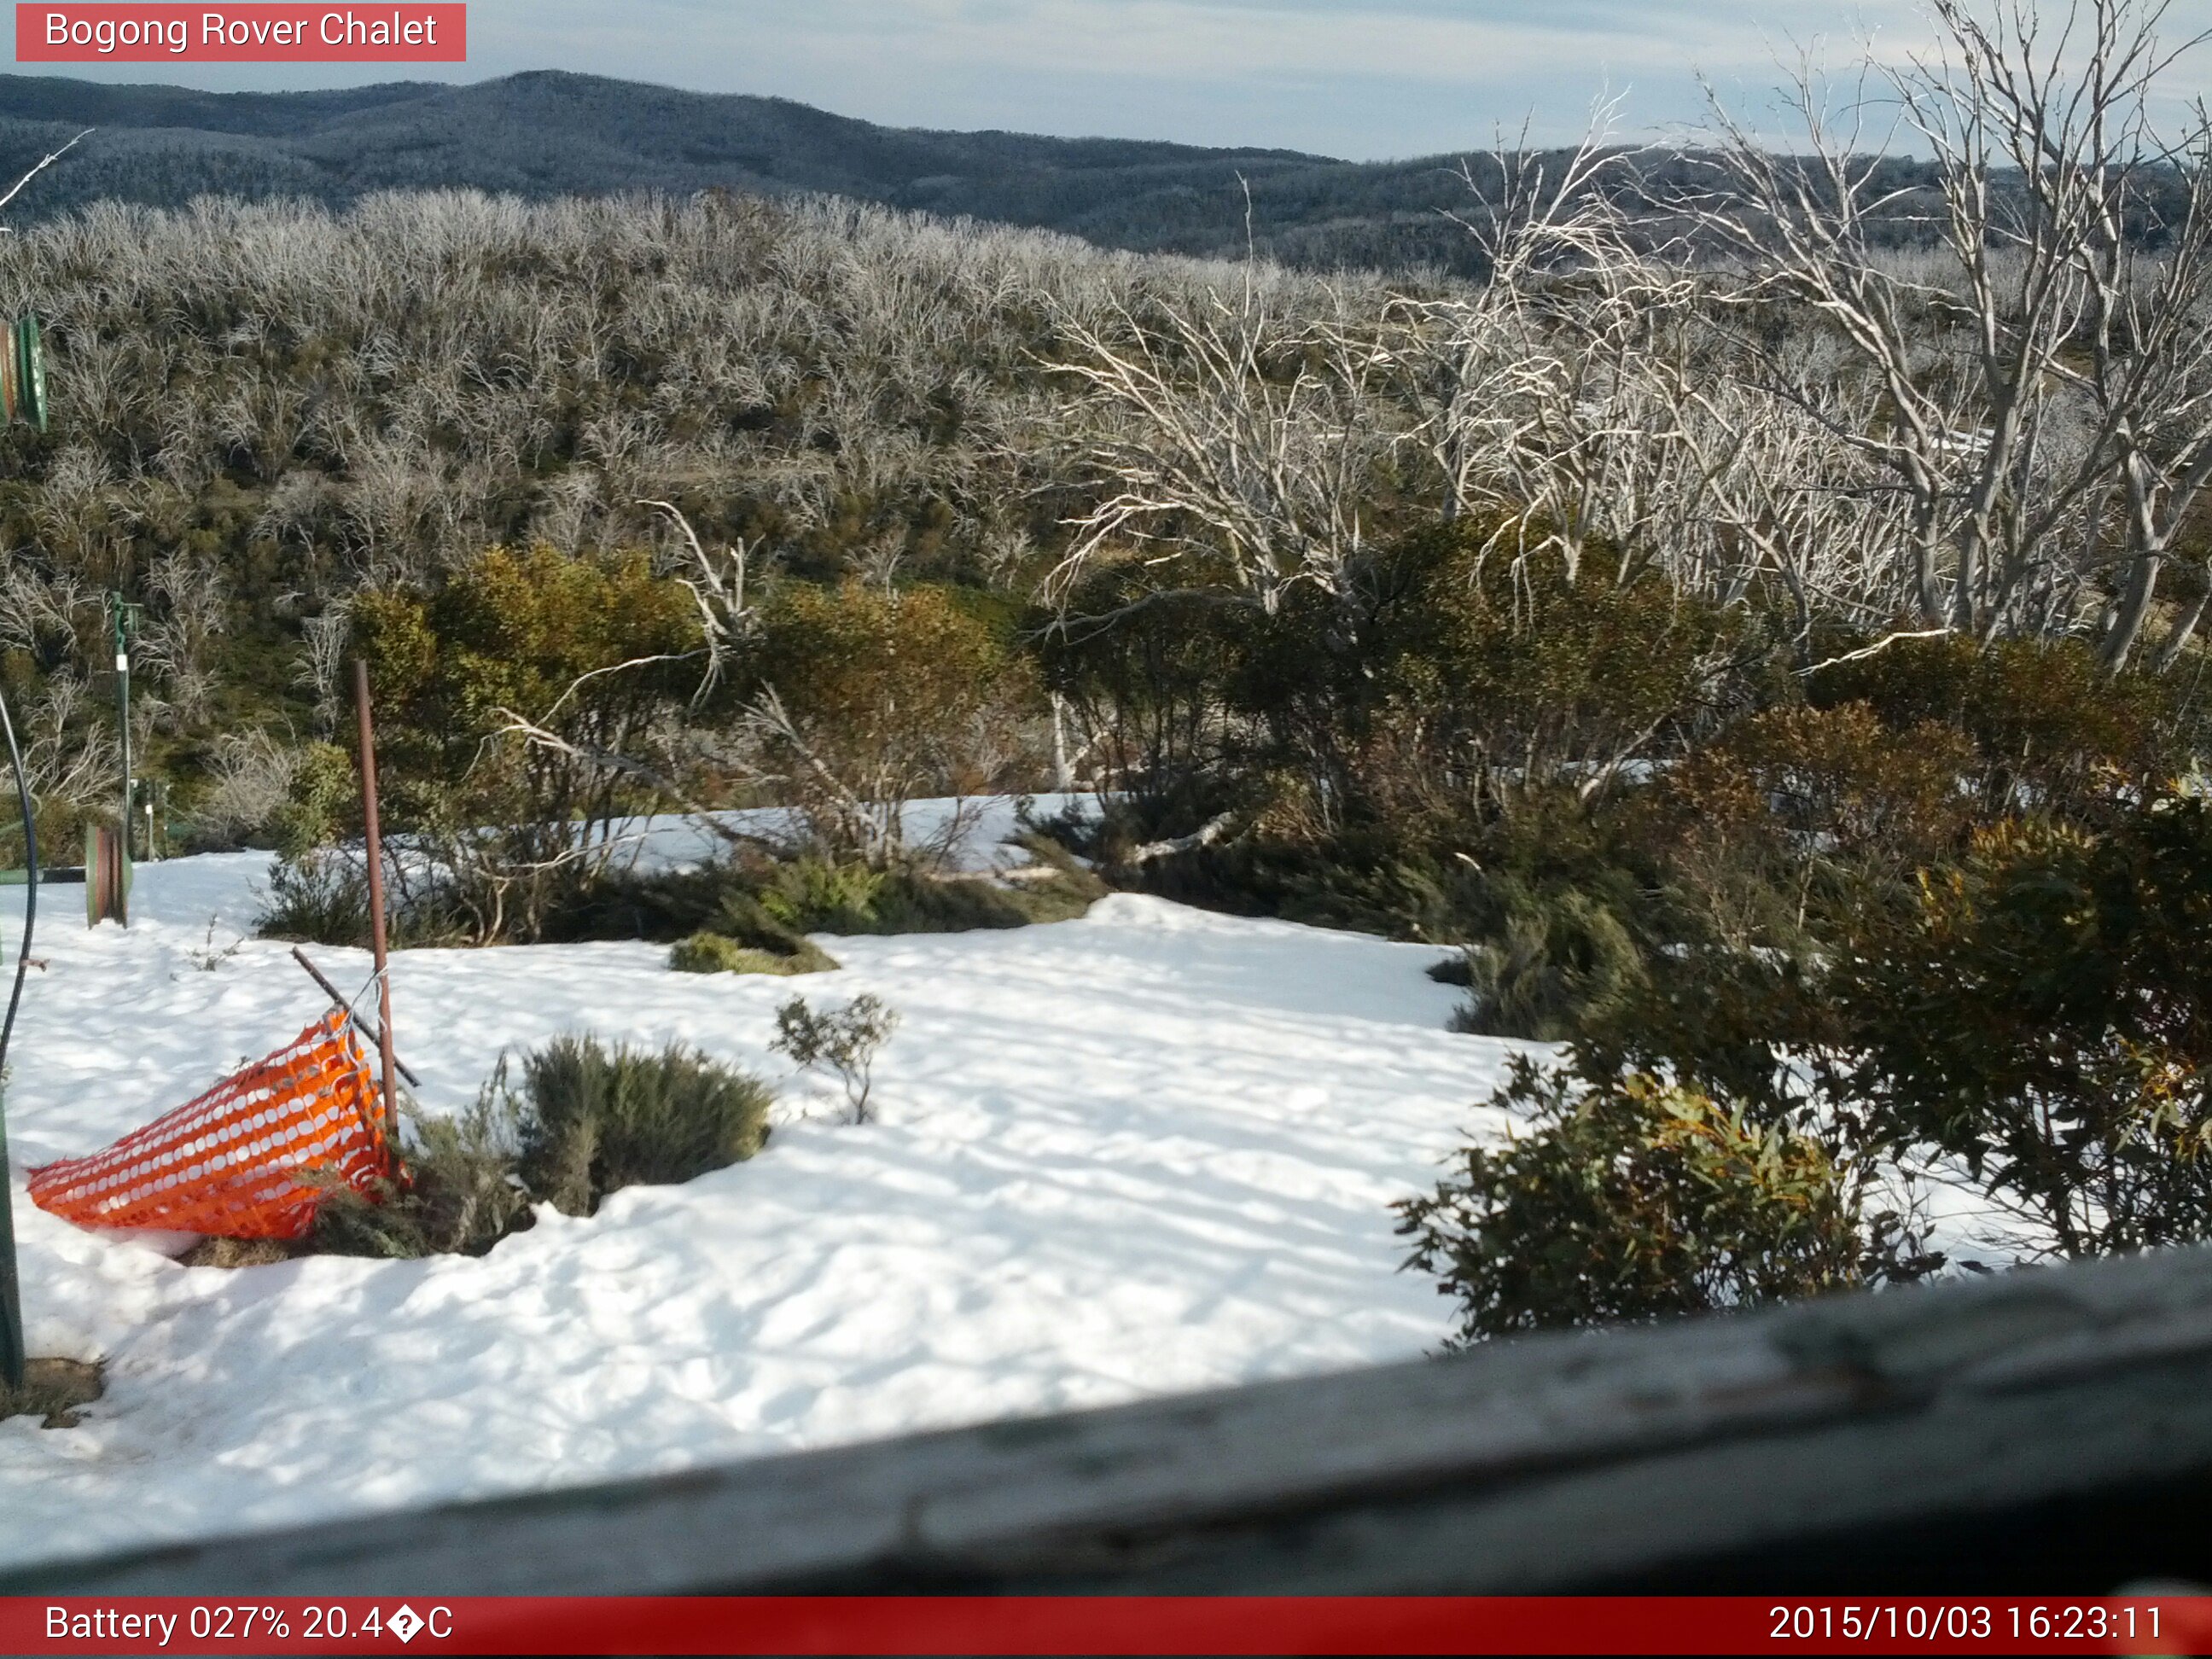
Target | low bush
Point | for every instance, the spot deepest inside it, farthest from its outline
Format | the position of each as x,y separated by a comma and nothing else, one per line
818,895
2045,1014
463,1190
1630,1199
595,1120
318,897
717,953
1562,957
769,903
589,1121
812,896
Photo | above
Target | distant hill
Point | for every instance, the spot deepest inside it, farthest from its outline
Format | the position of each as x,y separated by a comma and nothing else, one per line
550,133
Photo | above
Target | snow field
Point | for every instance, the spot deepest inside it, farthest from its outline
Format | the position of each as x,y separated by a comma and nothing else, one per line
1147,1151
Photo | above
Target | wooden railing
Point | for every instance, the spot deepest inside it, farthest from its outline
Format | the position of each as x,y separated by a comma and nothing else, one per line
2039,1431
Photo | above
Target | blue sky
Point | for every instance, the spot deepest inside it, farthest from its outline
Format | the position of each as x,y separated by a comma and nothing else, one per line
1367,79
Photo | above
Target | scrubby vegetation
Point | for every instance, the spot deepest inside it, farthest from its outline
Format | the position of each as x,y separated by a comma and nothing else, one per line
1779,675
717,953
1626,1198
587,1121
52,1391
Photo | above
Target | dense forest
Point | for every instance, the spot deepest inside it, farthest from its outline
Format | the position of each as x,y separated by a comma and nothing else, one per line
1767,658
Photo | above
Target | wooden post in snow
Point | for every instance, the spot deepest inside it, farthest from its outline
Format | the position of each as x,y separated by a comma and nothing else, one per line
374,838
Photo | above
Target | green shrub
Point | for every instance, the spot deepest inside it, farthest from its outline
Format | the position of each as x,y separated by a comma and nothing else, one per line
1630,1199
770,904
319,897
322,802
814,895
463,1190
821,895
717,953
2046,1014
863,699
2051,730
596,653
1562,957
1756,1027
1791,821
587,1123
597,1119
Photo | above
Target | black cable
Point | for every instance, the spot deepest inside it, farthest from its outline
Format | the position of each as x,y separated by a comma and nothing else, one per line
11,1312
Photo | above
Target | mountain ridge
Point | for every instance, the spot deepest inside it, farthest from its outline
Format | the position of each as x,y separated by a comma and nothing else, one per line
555,132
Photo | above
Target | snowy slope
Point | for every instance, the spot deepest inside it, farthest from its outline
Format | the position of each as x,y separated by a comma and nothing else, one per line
1150,1150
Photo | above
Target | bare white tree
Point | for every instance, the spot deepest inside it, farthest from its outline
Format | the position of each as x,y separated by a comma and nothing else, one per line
1226,438
1965,390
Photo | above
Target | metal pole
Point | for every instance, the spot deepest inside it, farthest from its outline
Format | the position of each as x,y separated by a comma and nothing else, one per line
374,836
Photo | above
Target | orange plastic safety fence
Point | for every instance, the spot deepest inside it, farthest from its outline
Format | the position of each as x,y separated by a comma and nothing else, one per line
229,1165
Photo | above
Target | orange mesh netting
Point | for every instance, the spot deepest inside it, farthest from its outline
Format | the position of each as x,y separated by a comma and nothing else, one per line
229,1164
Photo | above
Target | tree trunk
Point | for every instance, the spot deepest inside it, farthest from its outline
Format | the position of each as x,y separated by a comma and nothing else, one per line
2135,607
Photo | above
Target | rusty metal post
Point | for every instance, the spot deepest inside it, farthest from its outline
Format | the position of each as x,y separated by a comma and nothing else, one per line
374,836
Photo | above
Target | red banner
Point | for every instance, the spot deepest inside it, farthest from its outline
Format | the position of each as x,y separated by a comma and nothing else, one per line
368,33
1108,1625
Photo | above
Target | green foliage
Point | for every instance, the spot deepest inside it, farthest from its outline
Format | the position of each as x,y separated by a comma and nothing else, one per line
1433,685
1630,1199
863,700
324,800
814,895
1791,822
462,1191
844,1041
318,897
1561,957
769,904
2044,1013
588,1121
2050,731
591,655
597,1119
717,953
1756,1026
1151,687
1552,674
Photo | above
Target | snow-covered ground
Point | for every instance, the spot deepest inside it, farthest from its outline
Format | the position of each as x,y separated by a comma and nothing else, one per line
1150,1150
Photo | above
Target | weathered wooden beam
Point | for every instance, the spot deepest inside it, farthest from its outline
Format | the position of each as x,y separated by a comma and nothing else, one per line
2039,1430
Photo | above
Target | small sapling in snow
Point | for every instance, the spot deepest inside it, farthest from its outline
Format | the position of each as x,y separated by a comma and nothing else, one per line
844,1041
